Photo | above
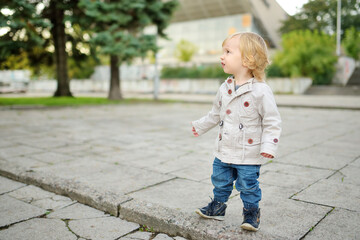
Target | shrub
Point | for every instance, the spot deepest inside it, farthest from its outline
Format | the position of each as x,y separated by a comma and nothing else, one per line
351,43
274,70
307,54
193,72
185,50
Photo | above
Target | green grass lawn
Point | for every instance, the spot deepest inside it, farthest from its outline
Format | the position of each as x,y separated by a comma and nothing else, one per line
70,101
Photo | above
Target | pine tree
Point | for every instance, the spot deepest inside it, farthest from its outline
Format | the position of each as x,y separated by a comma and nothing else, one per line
29,23
118,29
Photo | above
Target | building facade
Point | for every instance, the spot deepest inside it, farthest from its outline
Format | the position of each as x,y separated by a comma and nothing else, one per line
206,23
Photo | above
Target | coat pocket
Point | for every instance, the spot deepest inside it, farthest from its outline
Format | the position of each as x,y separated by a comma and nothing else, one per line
252,145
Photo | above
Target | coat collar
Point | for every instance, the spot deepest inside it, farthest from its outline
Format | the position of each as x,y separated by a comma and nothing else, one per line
244,88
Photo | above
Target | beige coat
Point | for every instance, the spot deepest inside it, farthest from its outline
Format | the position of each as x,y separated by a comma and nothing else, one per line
249,122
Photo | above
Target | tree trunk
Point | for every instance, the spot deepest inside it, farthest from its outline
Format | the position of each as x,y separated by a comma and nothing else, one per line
115,89
59,37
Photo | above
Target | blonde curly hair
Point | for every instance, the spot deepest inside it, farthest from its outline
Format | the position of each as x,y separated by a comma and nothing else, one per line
254,53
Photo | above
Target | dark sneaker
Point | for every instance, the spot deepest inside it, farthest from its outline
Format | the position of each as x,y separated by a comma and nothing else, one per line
214,210
251,219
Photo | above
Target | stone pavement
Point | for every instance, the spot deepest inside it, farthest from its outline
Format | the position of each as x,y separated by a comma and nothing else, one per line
140,162
28,212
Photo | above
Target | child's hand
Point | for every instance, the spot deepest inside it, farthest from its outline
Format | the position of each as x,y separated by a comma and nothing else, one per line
194,132
267,155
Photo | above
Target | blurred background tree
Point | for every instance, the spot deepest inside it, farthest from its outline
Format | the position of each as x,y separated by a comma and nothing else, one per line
119,30
185,50
351,43
47,33
307,53
321,15
22,36
308,40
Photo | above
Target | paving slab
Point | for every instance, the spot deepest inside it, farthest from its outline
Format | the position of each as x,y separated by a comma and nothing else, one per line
201,172
40,198
38,229
290,169
308,157
13,211
181,194
26,162
75,169
105,228
18,151
138,236
7,185
349,174
294,177
47,142
356,163
124,179
99,198
51,157
76,211
31,193
162,236
281,217
339,224
328,192
188,225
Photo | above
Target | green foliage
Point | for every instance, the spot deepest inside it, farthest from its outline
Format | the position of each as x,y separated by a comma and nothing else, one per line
307,54
351,43
185,50
145,228
119,25
321,15
193,72
15,62
23,27
29,42
273,70
81,69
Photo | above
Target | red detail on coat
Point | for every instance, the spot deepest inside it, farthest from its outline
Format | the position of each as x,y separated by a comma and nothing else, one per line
250,141
228,111
276,140
229,92
229,81
246,104
220,137
220,103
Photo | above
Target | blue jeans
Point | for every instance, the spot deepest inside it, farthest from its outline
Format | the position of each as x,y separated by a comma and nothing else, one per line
245,177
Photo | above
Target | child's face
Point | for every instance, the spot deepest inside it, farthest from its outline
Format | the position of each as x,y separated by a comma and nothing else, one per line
231,57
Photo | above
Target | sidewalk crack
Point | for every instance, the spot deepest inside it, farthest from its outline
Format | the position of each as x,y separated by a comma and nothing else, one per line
313,227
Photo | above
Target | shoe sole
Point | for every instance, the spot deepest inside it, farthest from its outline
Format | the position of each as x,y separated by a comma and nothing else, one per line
249,227
219,218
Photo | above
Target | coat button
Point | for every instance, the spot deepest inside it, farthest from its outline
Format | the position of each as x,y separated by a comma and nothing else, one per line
229,91
250,141
229,81
220,103
228,111
246,104
220,137
276,140
241,126
221,123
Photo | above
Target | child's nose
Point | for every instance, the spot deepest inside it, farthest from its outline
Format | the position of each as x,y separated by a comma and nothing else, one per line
222,57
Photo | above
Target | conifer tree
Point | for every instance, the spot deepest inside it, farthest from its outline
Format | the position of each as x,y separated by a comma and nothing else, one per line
118,29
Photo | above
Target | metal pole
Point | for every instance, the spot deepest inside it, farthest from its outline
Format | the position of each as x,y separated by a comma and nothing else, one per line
338,28
156,79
